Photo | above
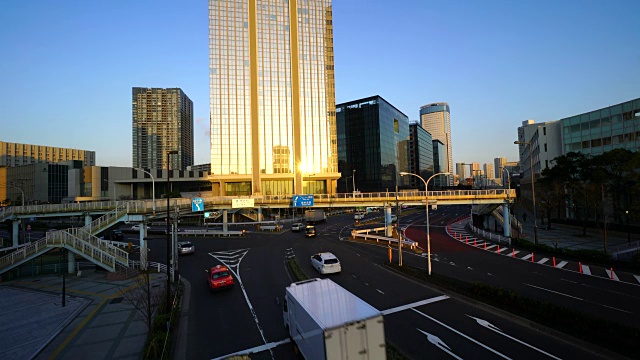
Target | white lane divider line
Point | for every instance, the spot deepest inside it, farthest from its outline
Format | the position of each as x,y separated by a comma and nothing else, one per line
544,260
614,277
586,270
637,277
380,291
415,304
551,291
527,257
561,264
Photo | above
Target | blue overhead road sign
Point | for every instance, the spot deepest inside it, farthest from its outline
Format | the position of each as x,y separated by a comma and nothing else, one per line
197,204
302,200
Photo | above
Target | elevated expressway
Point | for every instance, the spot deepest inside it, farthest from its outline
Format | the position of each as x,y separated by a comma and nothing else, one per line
99,216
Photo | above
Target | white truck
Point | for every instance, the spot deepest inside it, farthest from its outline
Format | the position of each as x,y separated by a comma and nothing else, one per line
315,216
325,321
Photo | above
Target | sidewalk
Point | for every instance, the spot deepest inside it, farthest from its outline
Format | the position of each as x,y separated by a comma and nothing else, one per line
570,236
96,323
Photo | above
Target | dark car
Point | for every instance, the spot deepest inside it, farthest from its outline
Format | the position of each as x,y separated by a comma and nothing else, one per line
310,231
116,235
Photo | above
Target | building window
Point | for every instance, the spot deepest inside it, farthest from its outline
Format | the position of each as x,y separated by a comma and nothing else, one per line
545,147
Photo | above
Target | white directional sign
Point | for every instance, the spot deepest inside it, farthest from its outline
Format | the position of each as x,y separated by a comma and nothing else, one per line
242,203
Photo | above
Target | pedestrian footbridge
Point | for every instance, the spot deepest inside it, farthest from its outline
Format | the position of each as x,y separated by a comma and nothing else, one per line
84,242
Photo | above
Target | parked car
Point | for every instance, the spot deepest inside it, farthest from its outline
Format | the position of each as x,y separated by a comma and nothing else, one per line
310,231
326,263
297,227
137,227
219,277
186,247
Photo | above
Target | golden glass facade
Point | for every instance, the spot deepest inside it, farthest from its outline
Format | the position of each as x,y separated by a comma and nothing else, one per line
272,95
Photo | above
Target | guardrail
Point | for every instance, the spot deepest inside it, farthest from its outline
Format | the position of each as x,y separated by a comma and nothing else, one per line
364,233
490,236
623,249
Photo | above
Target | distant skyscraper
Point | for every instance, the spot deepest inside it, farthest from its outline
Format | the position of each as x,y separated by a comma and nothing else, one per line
273,119
420,155
499,164
435,118
488,170
461,170
162,122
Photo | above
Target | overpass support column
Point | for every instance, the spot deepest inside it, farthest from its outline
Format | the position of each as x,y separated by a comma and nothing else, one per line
87,219
507,220
16,231
259,217
71,262
225,223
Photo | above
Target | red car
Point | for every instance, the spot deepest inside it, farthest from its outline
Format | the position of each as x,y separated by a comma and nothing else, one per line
219,277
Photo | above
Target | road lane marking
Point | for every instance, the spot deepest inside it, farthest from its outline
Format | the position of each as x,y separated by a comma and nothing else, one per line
586,270
493,328
415,304
515,252
380,291
527,257
491,247
561,264
637,277
555,292
501,250
461,334
614,277
544,260
255,350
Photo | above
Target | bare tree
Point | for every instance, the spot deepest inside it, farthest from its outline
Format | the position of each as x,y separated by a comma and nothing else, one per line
145,296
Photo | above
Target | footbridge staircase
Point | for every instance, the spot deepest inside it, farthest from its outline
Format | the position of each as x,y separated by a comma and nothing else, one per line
81,241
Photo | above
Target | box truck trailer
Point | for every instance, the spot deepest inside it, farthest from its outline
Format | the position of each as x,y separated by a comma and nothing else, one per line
315,216
327,322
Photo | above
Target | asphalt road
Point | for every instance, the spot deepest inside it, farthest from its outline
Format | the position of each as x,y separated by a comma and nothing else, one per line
250,315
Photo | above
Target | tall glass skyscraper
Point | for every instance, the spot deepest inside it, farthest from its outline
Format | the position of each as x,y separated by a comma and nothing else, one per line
272,98
435,118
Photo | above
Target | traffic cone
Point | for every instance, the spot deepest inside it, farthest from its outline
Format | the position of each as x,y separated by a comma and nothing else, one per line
475,242
580,267
498,248
485,245
532,257
611,272
513,252
554,261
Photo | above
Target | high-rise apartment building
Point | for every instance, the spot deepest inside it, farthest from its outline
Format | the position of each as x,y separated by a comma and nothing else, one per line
272,97
14,154
435,118
461,170
488,170
162,122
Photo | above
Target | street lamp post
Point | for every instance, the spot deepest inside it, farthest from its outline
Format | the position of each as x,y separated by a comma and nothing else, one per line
533,189
628,233
426,196
153,188
353,175
13,186
168,303
346,184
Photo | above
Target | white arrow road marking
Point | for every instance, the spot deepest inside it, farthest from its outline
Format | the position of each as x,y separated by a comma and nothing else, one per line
439,343
233,264
491,327
463,335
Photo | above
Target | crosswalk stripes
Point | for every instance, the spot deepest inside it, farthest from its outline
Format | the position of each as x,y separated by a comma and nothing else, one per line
543,260
586,270
612,275
561,264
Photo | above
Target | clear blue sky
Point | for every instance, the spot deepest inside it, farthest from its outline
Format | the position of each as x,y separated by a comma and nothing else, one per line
67,67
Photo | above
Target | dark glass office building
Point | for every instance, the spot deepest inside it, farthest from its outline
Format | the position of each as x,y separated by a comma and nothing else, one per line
439,164
420,155
373,139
